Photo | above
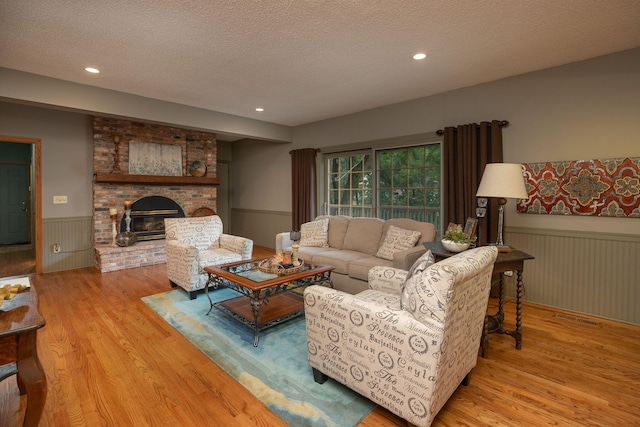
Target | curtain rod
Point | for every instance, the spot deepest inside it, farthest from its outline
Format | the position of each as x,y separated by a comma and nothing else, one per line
502,123
315,150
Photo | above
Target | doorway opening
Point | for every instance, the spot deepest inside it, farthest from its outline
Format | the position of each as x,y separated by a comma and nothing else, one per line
21,210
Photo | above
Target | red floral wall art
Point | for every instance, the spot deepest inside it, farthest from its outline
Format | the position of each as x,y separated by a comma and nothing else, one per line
608,188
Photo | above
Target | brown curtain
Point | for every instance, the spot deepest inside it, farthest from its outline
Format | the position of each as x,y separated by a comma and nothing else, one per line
303,186
466,151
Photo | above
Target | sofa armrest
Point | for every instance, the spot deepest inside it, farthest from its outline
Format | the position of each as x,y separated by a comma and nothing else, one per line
237,244
387,279
182,264
405,259
283,241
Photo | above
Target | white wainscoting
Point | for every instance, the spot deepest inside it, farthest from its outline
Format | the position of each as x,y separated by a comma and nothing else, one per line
586,272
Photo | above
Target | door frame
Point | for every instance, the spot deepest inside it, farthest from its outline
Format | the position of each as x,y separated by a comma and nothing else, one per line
36,192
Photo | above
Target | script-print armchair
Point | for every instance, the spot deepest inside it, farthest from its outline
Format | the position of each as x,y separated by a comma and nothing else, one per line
408,341
195,243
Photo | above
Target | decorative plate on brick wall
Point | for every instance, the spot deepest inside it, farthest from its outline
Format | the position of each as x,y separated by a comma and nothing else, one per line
197,168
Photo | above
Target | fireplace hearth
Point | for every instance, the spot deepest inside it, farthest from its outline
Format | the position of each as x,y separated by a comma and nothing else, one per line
148,214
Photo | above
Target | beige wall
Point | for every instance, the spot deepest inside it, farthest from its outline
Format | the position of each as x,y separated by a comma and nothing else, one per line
578,111
67,154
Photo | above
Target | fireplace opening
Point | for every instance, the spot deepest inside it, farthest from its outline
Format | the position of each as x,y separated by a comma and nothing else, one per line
148,214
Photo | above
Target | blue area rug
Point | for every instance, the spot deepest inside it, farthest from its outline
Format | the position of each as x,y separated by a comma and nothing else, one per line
276,372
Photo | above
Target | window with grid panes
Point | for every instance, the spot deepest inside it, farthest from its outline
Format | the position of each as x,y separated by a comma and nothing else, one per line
350,185
405,183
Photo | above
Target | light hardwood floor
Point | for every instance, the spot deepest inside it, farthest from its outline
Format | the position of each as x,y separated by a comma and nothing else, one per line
110,360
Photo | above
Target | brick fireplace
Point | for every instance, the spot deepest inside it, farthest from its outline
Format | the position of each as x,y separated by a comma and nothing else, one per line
113,185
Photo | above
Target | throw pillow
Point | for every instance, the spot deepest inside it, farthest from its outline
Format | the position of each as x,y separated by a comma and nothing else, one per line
397,239
410,283
315,233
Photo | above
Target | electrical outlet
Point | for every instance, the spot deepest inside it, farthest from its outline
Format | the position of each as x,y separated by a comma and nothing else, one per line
56,248
57,200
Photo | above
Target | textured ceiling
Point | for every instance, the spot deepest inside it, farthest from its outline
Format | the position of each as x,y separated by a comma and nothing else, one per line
304,61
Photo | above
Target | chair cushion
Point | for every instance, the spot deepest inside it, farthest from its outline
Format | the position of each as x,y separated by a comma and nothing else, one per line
397,239
217,256
421,264
426,294
201,232
418,267
315,233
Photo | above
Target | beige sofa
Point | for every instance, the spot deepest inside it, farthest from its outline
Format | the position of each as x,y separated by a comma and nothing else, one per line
354,245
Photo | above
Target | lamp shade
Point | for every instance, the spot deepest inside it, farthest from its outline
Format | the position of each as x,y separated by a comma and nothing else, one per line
503,180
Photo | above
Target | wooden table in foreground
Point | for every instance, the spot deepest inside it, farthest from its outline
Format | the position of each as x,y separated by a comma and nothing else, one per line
274,291
19,322
506,261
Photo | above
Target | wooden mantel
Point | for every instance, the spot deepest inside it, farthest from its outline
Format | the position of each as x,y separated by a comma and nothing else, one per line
154,179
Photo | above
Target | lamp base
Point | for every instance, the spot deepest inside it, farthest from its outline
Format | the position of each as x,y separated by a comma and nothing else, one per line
503,249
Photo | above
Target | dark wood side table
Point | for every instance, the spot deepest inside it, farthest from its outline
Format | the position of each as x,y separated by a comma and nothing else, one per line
506,261
19,322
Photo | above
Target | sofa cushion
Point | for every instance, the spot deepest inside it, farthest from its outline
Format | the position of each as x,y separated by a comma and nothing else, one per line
308,252
359,268
337,229
426,229
340,259
396,240
363,235
315,233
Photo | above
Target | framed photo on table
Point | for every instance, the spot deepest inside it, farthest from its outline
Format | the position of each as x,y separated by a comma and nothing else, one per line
470,228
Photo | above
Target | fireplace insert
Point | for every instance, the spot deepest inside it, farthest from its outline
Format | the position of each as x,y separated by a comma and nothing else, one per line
147,217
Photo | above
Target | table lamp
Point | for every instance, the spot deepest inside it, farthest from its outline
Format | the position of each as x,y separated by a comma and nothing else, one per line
504,181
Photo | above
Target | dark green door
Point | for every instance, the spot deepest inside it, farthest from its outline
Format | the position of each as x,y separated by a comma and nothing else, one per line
14,203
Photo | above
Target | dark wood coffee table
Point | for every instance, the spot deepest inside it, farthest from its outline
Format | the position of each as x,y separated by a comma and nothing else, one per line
267,299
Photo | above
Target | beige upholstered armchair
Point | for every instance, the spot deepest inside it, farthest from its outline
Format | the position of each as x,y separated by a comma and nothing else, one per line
195,243
408,341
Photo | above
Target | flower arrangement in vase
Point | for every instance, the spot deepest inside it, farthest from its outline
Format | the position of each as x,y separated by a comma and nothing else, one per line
455,239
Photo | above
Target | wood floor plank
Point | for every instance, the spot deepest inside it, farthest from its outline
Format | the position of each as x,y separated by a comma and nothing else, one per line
110,360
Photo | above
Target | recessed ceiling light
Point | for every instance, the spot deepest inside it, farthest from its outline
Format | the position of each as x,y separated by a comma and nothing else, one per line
260,109
92,70
419,56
